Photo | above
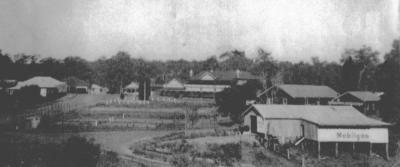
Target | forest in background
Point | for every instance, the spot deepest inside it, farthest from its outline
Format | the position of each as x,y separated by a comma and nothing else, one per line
358,69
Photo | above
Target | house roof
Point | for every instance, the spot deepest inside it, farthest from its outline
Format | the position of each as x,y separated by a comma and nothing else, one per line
95,86
174,83
226,75
364,95
133,85
318,114
40,81
301,91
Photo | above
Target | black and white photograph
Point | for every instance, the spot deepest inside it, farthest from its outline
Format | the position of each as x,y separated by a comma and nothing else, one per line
199,83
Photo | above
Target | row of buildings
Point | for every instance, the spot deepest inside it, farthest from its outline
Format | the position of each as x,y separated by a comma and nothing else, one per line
312,115
207,83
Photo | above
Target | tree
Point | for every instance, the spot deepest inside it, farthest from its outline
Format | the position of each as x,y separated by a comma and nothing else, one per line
265,66
28,96
389,82
6,65
365,62
51,67
25,66
232,101
119,71
209,64
349,75
235,59
78,67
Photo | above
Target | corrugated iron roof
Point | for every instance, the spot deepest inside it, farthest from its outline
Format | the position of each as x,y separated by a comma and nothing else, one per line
40,81
302,91
365,95
318,114
226,75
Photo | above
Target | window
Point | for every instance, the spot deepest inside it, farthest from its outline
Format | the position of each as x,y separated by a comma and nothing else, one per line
302,130
284,100
253,123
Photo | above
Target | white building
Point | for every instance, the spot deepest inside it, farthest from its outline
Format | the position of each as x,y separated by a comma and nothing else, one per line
47,85
315,125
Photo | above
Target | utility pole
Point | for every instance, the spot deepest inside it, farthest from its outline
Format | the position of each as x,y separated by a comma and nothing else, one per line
144,92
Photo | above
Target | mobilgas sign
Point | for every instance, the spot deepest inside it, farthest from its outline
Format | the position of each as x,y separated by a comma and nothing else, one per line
372,135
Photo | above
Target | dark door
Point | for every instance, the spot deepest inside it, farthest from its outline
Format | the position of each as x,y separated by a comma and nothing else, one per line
253,124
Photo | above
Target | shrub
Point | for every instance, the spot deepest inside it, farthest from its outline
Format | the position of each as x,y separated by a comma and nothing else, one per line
46,123
182,147
393,143
76,152
108,159
180,160
81,152
260,159
225,154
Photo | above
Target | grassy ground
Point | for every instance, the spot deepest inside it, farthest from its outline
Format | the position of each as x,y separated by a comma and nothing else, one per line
116,141
205,150
87,107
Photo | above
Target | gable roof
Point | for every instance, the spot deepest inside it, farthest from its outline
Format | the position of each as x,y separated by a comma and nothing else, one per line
226,75
95,86
133,85
364,95
75,82
174,83
40,81
302,91
318,114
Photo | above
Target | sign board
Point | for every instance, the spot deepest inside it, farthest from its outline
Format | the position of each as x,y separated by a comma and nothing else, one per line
372,135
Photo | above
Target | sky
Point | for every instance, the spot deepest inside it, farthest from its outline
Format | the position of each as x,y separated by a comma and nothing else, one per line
197,29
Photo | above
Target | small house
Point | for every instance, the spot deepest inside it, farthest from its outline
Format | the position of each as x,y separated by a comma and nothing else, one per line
365,101
131,88
81,89
298,94
48,85
76,85
330,127
96,89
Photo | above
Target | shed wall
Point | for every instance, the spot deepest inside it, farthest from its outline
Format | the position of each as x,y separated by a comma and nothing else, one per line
285,130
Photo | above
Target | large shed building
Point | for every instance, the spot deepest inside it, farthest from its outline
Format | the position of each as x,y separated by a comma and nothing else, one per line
365,101
318,125
298,94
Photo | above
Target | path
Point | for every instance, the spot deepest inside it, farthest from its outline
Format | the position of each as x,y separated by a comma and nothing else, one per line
120,142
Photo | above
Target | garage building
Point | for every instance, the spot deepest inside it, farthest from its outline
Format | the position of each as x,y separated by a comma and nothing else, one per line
319,125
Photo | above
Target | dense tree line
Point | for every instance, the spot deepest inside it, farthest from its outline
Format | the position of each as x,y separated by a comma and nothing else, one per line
358,69
122,68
